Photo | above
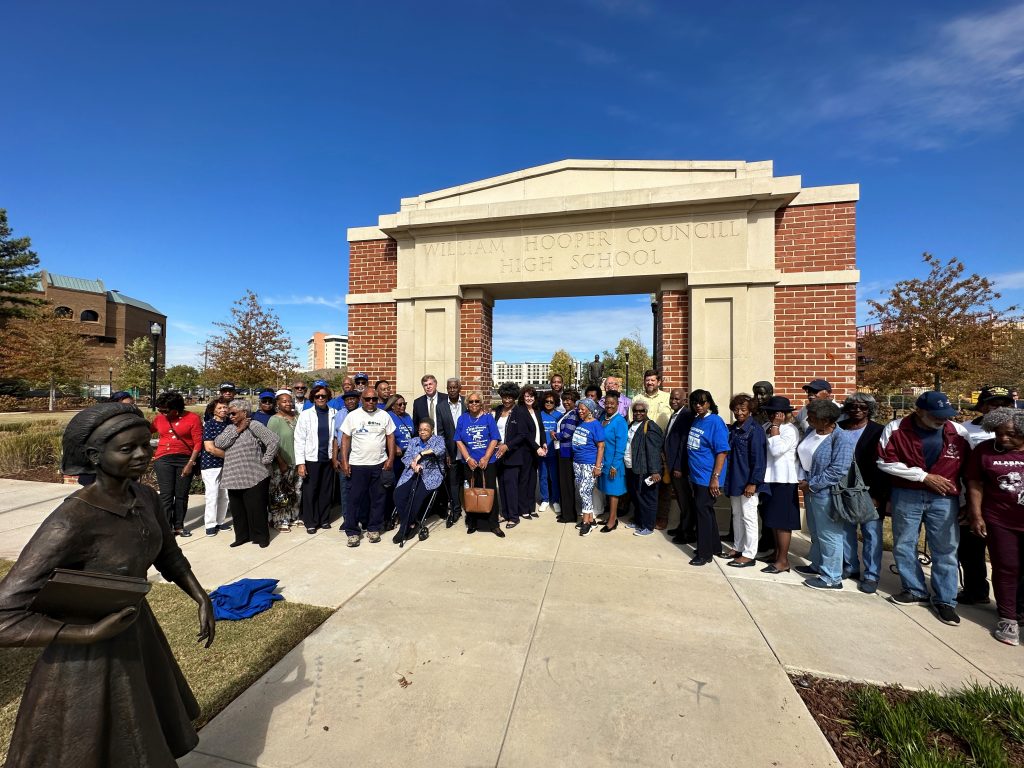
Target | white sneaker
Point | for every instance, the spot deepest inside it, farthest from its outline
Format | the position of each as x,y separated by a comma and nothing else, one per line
557,508
542,507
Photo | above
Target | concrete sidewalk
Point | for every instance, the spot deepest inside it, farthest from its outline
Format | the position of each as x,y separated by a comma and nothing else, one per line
548,648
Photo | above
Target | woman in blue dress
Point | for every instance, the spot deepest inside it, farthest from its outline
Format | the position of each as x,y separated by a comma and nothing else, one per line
612,482
476,438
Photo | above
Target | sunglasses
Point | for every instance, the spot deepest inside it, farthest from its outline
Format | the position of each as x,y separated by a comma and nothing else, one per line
400,402
372,398
321,396
639,410
298,389
474,401
234,413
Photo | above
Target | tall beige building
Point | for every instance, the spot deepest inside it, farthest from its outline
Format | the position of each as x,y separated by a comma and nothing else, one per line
327,350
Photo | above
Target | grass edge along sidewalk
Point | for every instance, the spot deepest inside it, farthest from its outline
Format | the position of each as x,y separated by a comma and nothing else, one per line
874,727
242,652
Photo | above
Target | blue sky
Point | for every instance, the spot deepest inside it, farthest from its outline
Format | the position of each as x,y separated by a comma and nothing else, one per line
187,151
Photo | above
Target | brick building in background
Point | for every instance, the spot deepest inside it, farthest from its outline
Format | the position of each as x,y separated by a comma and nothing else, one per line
108,320
755,275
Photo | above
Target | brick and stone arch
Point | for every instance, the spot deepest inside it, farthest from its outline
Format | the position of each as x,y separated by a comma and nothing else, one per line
755,275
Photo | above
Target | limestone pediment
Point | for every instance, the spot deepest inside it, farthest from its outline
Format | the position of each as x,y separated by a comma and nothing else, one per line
586,177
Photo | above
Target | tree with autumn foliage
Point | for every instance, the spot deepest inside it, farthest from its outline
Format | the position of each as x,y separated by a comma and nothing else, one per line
46,351
937,331
252,350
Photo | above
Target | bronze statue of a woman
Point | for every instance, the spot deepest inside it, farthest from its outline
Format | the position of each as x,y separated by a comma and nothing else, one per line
109,693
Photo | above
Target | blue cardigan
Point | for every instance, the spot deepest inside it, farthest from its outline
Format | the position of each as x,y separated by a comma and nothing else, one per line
831,460
748,458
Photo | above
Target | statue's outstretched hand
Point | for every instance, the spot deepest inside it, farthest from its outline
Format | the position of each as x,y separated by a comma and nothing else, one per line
207,623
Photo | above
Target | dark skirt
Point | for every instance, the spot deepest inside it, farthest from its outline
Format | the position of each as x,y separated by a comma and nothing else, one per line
780,507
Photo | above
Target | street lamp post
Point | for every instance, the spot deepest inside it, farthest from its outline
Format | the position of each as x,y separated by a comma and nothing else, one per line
110,381
627,373
155,330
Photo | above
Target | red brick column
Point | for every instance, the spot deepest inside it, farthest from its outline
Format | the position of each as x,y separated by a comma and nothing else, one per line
372,327
674,339
815,325
476,327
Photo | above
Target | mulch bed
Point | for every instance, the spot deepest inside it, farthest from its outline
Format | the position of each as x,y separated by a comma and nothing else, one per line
36,474
830,703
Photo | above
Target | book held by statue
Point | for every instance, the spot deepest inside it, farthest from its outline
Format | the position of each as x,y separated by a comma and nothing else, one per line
82,597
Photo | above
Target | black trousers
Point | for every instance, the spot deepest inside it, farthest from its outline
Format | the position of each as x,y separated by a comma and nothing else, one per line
528,486
508,489
173,487
687,516
567,489
972,561
486,478
455,477
317,493
365,499
409,502
646,499
709,540
248,508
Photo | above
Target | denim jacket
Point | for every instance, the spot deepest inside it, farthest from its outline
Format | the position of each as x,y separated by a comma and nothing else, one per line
831,460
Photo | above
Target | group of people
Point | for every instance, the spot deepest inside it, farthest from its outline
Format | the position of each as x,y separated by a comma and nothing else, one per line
596,458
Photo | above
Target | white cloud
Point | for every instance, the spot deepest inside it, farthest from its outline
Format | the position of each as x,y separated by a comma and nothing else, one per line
186,328
1009,281
334,302
534,337
967,78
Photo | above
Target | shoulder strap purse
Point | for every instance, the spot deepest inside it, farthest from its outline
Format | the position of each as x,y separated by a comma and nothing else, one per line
850,501
478,500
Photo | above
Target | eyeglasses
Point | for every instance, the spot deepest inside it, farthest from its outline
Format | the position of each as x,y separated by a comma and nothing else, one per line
321,396
639,410
471,402
549,402
856,407
400,402
370,399
298,389
233,413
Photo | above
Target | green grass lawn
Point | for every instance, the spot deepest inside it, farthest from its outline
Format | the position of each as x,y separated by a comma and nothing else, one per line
241,653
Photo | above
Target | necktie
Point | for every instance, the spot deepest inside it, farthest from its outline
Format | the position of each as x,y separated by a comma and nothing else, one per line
430,406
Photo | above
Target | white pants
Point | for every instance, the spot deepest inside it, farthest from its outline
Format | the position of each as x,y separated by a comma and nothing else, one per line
744,524
216,498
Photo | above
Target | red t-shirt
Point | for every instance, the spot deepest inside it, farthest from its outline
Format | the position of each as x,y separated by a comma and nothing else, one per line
184,436
1002,478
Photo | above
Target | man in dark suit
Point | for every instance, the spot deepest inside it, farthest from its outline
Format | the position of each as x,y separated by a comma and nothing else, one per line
676,465
448,413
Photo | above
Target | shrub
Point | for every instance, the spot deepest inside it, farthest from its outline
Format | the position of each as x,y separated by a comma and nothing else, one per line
32,445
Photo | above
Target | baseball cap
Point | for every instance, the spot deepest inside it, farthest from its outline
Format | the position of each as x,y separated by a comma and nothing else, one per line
988,394
362,377
936,404
817,385
283,392
320,383
350,393
267,393
227,385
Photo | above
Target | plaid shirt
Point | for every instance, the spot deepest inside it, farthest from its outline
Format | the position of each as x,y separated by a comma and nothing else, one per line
246,455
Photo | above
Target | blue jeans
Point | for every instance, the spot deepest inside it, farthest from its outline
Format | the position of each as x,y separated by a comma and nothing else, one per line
911,508
826,537
549,489
872,535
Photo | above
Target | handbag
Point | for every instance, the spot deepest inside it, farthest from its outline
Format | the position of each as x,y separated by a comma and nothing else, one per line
478,500
849,500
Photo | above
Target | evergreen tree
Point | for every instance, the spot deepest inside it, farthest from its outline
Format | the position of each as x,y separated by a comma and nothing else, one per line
18,280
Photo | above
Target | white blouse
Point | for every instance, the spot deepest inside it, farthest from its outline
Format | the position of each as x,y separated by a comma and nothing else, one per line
782,455
806,451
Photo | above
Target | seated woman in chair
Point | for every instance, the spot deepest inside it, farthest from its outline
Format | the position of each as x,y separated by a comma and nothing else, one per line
424,459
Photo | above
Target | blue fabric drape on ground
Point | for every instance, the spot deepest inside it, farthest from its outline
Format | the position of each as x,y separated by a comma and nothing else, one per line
244,598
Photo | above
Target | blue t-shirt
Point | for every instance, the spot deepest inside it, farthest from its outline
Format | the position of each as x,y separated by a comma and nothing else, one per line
584,441
550,422
476,434
403,430
211,429
323,434
262,418
708,437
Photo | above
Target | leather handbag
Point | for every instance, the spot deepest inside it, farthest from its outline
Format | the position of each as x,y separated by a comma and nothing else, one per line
478,500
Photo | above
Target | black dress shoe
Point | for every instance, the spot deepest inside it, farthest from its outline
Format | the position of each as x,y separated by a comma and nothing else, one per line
470,529
772,569
700,561
238,543
496,530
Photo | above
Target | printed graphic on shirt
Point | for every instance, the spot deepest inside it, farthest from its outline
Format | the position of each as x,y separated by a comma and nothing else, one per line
478,436
693,439
579,437
1012,482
